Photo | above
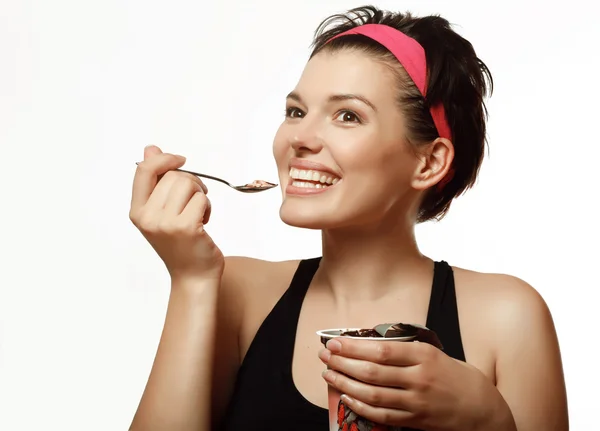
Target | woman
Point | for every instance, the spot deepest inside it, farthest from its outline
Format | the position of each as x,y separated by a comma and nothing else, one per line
384,129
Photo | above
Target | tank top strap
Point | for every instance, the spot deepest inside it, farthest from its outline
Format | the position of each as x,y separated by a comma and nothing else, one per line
287,312
442,316
281,323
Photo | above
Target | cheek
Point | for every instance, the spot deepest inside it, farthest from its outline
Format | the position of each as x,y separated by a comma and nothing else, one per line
378,174
280,147
369,161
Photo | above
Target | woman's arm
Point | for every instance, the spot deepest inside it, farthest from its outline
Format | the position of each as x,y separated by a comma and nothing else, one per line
197,359
529,371
177,395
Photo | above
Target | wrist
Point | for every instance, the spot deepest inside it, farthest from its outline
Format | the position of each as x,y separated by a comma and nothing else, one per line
498,418
196,286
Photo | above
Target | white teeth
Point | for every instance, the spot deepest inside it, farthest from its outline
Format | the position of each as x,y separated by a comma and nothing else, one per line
303,184
316,176
306,185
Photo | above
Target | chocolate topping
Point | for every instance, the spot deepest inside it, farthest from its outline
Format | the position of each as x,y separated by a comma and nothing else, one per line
361,333
398,330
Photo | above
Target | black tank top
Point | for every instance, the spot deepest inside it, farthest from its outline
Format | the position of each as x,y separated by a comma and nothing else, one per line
265,397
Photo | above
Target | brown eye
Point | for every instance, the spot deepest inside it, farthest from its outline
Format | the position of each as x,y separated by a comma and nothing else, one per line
294,113
348,117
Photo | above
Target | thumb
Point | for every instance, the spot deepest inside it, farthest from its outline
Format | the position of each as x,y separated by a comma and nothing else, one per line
151,150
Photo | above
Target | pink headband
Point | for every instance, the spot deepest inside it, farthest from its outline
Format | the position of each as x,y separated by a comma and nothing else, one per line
411,56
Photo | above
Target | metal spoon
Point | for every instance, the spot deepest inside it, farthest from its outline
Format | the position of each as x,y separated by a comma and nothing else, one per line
246,188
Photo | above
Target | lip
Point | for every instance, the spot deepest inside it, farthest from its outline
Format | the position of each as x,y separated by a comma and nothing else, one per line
309,165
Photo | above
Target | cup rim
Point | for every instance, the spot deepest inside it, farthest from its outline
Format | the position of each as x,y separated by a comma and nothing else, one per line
324,333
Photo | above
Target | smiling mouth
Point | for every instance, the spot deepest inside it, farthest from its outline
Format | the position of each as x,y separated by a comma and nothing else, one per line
312,179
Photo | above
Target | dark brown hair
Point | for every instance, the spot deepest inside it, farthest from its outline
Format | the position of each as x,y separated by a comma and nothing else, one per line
457,78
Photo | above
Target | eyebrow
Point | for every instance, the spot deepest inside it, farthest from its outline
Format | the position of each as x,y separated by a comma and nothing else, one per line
336,98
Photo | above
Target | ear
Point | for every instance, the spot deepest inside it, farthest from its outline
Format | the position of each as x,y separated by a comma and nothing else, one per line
435,161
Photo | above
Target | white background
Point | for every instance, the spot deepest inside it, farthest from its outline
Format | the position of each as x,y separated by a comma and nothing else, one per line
85,85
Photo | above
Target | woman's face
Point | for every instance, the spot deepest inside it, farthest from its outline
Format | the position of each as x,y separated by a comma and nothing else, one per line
341,152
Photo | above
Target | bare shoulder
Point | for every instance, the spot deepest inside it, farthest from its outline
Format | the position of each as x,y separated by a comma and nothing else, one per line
248,278
239,267
253,287
511,319
505,299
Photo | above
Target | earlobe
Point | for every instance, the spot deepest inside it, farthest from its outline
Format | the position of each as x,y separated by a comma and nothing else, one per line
435,165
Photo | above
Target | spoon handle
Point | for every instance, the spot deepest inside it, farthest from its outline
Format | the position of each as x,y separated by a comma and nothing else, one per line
210,177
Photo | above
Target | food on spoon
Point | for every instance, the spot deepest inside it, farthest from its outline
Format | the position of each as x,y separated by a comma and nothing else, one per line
259,184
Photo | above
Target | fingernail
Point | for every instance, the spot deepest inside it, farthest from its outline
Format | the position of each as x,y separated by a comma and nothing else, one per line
334,346
346,399
329,376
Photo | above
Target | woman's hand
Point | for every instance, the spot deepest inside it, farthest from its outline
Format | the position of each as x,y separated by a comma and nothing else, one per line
170,208
414,385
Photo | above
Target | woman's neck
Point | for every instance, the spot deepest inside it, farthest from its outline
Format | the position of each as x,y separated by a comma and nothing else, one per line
369,264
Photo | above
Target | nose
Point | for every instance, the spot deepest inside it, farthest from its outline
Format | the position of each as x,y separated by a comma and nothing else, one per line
306,138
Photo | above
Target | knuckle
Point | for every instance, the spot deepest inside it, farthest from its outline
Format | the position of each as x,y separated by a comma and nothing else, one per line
187,181
383,352
171,157
203,199
427,352
170,176
146,222
133,216
374,397
423,380
385,417
143,168
192,183
370,372
419,408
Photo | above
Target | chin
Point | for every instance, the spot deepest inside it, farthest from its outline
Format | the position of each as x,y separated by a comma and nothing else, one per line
305,216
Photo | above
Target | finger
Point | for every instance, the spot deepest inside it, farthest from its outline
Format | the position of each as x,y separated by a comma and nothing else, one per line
193,178
382,352
376,396
151,150
372,372
147,173
197,211
207,211
161,193
199,181
382,415
183,188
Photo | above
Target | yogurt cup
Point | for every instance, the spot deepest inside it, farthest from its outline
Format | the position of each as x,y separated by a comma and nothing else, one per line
341,417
